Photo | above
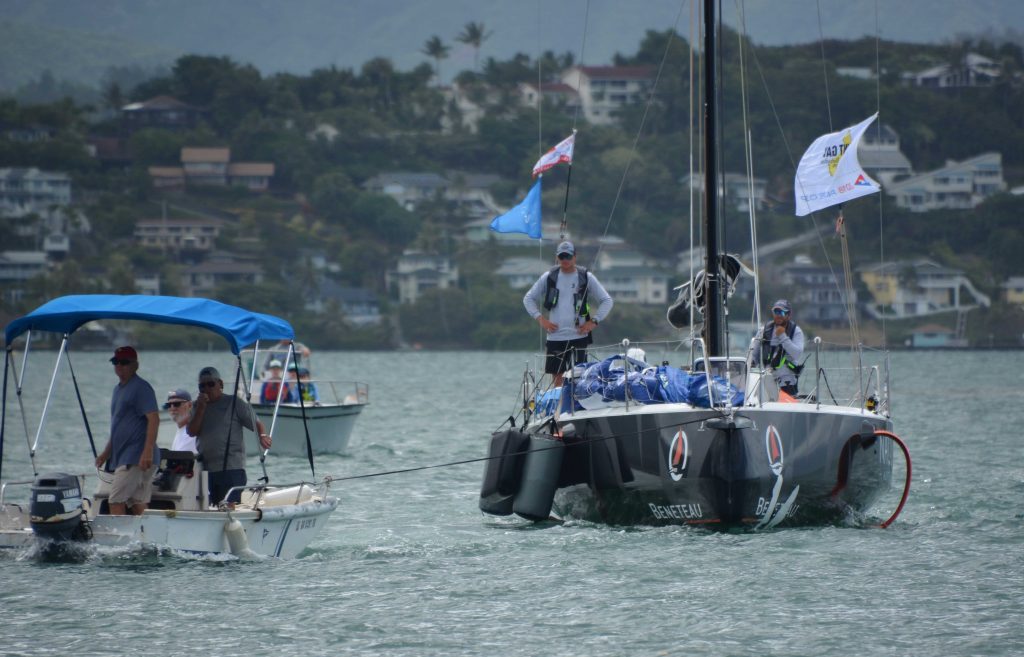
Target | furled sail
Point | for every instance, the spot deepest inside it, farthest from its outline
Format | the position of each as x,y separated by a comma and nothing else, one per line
829,173
692,292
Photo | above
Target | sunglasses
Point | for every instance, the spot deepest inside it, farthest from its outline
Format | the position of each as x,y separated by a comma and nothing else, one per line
207,384
174,404
780,311
565,256
121,361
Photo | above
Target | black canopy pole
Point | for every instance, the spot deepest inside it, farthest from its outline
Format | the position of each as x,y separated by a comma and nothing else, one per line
302,405
81,406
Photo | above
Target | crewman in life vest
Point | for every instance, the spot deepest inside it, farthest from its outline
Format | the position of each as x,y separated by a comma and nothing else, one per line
568,293
781,346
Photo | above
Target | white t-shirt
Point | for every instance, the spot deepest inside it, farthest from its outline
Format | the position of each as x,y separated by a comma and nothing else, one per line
184,442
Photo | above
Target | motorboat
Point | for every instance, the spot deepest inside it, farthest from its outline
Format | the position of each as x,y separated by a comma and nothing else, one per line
278,520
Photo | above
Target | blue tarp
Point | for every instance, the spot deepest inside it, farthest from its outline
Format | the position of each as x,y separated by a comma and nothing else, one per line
238,326
608,380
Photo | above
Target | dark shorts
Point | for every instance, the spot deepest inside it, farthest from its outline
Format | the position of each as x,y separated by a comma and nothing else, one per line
563,354
223,481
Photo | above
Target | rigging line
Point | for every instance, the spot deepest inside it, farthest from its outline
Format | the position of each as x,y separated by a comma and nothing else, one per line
583,48
824,67
640,129
878,108
540,93
792,162
482,459
749,148
690,149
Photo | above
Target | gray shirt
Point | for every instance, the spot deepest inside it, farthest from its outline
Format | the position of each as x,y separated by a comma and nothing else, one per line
213,434
563,313
129,405
794,348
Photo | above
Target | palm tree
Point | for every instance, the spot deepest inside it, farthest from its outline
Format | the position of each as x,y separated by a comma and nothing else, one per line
474,34
436,49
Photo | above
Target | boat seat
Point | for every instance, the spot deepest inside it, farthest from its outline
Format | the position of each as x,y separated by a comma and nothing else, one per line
173,466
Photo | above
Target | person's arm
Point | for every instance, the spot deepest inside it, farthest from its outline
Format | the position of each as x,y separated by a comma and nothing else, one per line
532,305
152,424
195,425
104,456
794,346
596,293
250,421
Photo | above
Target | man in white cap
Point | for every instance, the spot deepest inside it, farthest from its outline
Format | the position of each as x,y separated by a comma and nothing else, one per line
179,407
781,346
568,293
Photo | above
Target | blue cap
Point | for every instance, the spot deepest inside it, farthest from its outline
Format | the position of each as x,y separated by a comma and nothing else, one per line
782,304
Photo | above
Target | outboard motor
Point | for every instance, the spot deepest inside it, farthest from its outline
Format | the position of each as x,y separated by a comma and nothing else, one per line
56,510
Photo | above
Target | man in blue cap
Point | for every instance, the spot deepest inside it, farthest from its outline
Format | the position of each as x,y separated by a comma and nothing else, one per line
781,347
568,293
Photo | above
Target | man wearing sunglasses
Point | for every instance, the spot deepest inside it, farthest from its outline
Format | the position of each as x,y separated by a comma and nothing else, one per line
566,292
217,423
131,450
781,346
179,407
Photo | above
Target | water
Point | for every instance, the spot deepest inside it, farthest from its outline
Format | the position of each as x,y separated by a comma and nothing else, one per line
408,566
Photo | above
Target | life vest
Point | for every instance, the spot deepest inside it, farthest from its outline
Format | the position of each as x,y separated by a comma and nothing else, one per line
579,298
777,357
271,389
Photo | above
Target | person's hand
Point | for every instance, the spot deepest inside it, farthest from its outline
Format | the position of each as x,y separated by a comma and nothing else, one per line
100,460
146,461
265,441
548,325
202,399
779,330
587,327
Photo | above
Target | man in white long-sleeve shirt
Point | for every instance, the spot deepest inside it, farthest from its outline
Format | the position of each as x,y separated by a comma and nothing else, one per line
568,293
781,346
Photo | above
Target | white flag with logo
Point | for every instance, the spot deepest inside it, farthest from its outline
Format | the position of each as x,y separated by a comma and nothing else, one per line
829,173
562,152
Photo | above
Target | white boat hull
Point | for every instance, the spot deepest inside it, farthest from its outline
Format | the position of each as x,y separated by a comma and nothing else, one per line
330,427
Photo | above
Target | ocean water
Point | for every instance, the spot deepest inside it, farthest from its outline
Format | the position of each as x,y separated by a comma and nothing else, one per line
407,565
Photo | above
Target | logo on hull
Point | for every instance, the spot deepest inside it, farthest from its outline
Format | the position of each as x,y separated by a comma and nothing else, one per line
678,455
773,445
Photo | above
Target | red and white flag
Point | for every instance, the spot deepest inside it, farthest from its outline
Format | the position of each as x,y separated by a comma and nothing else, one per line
562,152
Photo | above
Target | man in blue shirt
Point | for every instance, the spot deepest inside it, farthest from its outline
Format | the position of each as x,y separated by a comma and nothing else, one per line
131,450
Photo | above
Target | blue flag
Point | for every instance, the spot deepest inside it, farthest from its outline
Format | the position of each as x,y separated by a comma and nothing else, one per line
524,218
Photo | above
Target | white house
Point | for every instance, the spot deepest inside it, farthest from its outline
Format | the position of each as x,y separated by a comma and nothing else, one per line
956,186
603,90
918,288
737,190
416,272
974,71
469,191
181,234
16,268
31,191
523,272
880,155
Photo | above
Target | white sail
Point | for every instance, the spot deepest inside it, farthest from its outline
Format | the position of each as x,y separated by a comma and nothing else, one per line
829,173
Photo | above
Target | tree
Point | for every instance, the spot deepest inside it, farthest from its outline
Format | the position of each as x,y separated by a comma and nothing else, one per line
112,97
474,34
436,49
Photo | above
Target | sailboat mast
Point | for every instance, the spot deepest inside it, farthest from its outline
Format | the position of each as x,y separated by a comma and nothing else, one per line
713,297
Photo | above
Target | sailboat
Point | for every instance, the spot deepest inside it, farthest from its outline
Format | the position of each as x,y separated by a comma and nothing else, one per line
742,456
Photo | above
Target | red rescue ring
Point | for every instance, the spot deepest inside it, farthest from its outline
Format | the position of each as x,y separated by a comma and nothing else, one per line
906,484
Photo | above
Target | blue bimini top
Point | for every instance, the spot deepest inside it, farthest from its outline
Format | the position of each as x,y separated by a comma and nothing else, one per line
238,326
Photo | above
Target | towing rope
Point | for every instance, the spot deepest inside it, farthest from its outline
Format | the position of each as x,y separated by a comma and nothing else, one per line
906,483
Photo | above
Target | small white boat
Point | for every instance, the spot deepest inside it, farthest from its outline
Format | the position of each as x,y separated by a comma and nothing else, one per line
269,520
330,420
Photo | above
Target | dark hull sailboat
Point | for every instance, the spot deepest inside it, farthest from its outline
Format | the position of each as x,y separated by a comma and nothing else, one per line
756,463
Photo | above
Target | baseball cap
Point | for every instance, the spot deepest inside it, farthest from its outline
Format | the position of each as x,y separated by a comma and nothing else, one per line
124,353
274,363
209,373
178,395
782,304
566,247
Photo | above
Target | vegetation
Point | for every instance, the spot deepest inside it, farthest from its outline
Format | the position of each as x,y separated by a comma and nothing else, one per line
626,175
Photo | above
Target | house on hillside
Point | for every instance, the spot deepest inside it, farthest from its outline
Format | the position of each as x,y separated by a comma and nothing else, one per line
604,90
32,191
919,288
164,112
212,166
178,235
416,272
956,186
973,71
935,336
1013,290
470,192
880,155
220,268
556,94
205,166
818,293
359,306
629,276
738,192
16,268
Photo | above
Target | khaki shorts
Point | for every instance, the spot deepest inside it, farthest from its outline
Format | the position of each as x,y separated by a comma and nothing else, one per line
132,485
